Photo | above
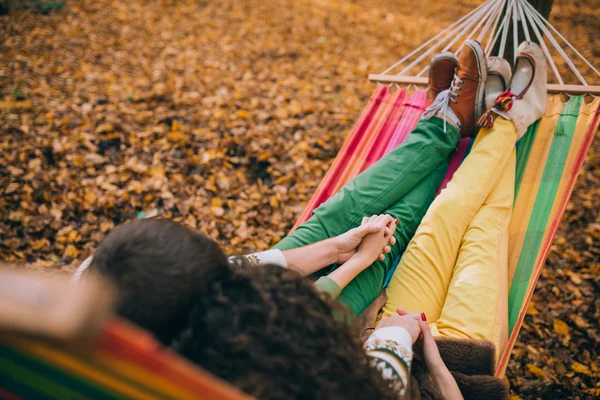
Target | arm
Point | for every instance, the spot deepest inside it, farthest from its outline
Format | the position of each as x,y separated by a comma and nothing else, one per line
313,257
308,259
349,270
390,350
304,260
435,365
340,249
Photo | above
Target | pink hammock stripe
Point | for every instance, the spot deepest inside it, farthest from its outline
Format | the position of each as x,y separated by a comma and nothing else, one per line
399,102
325,188
459,155
415,107
357,159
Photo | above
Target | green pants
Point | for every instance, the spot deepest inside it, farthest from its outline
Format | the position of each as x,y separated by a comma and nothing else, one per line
403,184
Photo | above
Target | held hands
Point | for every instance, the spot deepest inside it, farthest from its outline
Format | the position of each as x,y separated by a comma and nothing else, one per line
425,347
382,228
348,243
424,343
360,247
410,324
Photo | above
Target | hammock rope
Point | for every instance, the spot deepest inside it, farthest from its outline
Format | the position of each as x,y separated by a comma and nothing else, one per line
490,23
494,29
433,39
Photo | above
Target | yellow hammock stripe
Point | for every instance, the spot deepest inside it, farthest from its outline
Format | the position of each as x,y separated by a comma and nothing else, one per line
531,182
107,362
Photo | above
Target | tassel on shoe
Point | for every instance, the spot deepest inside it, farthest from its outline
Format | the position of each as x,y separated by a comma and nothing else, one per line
504,102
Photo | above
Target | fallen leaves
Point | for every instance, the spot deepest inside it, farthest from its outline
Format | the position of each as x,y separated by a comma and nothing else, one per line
580,368
536,371
562,329
225,116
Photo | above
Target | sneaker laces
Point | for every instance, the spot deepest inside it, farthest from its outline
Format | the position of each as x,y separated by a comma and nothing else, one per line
441,104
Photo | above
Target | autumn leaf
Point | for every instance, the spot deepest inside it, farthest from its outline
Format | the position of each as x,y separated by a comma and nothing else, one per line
560,327
580,368
531,310
71,251
594,392
536,371
225,115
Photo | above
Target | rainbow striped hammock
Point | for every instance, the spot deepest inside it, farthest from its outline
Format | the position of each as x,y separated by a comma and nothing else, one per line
126,363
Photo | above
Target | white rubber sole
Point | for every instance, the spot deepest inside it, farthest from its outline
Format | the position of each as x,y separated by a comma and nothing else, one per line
482,69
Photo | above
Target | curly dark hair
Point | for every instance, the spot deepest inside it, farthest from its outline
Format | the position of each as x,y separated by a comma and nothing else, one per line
269,332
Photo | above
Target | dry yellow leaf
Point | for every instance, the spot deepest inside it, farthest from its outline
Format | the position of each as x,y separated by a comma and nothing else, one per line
561,327
536,371
176,136
44,263
89,198
242,114
531,310
580,368
71,251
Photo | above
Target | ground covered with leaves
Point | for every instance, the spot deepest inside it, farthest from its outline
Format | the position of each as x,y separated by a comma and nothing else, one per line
225,115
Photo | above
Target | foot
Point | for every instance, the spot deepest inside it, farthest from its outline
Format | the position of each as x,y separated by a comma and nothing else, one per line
470,86
498,77
463,102
525,101
441,72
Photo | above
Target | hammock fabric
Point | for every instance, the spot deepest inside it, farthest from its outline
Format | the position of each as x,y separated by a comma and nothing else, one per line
549,158
125,363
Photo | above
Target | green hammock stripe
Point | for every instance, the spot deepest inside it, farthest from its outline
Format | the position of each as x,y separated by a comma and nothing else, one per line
46,385
76,386
523,151
19,390
542,208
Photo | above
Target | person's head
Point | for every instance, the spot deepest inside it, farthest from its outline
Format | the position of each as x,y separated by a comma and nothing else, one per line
160,268
269,332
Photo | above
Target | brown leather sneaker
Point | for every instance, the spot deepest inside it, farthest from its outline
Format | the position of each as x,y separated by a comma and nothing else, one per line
468,102
441,73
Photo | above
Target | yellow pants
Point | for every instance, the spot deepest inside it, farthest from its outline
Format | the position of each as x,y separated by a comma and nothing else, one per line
455,268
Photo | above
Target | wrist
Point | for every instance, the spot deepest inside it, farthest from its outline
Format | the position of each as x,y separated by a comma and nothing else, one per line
333,250
447,384
440,373
337,251
358,262
364,258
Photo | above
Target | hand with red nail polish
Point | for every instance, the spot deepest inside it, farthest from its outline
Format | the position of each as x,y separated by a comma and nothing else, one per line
418,316
407,322
426,349
347,243
370,247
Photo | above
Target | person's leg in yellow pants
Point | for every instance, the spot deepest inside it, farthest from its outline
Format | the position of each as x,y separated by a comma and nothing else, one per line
455,268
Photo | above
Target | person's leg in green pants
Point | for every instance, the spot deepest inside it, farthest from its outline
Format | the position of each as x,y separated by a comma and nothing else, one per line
409,210
416,166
